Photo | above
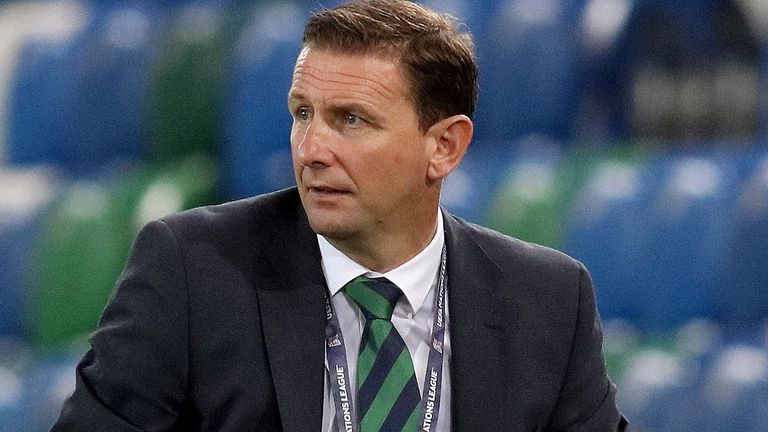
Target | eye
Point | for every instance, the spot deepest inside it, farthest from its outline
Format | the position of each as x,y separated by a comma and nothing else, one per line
353,120
303,113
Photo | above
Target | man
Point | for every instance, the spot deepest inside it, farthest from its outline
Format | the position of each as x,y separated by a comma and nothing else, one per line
351,302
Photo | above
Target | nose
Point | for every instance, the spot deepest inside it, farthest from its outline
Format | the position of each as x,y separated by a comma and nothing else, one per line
312,149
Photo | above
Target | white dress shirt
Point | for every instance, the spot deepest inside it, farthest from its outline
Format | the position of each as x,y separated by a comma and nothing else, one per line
412,317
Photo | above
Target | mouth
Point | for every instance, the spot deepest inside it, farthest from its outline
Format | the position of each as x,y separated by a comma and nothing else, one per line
322,190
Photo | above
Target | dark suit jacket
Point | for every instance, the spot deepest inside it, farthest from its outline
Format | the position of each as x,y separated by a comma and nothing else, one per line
218,322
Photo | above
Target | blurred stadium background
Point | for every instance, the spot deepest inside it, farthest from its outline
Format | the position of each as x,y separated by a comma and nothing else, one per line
628,133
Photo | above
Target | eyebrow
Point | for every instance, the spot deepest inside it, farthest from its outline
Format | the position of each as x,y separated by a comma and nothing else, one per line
295,96
336,107
350,107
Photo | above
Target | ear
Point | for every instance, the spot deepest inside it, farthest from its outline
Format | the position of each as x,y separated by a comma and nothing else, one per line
451,137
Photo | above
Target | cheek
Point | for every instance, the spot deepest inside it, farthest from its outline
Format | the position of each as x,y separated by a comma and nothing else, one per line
399,158
295,141
295,134
410,155
400,167
296,138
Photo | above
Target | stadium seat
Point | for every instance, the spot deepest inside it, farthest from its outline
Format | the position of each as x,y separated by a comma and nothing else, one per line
188,79
36,129
23,197
529,62
12,404
655,385
604,227
682,261
735,393
87,237
48,381
474,14
741,296
107,67
663,412
256,155
526,202
81,250
41,23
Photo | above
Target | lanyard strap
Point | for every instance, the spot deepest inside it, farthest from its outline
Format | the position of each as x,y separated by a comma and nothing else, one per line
346,415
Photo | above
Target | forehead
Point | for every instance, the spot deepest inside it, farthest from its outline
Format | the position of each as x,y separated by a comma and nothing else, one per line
370,76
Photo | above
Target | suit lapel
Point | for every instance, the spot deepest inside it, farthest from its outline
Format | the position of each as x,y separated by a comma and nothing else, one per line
479,323
292,306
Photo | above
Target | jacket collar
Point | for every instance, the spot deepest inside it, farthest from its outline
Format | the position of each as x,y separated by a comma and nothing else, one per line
479,323
292,306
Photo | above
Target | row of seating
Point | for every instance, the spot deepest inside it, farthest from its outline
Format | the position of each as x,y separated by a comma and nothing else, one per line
669,235
85,83
695,378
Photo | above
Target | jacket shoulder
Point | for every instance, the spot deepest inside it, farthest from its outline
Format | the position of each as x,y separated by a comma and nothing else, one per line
513,254
238,218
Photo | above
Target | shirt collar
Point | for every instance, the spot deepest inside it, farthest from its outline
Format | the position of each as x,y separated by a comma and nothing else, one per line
415,277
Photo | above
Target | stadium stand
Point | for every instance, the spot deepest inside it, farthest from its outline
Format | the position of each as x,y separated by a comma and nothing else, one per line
630,134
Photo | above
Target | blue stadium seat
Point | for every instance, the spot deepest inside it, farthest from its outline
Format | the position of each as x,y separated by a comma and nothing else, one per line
256,152
12,404
529,63
664,391
45,23
655,386
607,228
88,88
673,409
23,198
735,393
37,129
47,383
748,411
687,225
474,14
742,294
107,67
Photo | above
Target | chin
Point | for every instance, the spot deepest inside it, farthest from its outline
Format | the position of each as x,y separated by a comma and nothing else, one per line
329,227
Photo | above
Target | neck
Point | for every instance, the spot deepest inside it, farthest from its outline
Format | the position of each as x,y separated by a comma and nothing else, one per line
388,250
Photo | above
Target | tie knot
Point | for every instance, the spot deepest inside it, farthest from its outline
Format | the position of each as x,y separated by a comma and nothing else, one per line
376,297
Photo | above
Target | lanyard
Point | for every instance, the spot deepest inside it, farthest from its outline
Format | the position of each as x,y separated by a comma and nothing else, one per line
346,416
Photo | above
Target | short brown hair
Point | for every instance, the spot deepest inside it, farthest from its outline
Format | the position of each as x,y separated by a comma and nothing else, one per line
437,58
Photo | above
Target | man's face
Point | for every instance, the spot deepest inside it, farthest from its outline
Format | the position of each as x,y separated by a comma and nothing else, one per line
359,157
